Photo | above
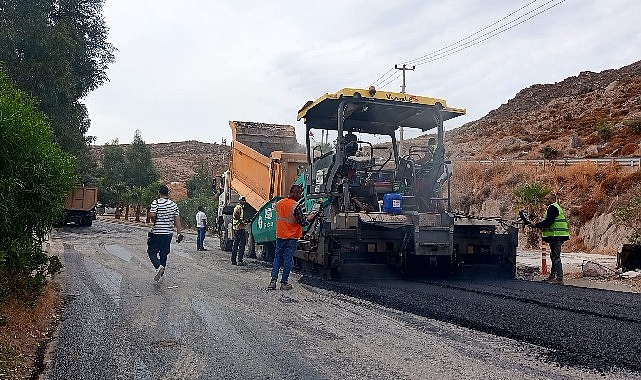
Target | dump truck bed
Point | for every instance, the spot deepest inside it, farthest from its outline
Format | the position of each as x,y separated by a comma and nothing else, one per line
264,160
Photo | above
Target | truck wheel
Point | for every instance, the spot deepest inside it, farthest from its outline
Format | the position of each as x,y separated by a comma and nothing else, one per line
251,247
265,252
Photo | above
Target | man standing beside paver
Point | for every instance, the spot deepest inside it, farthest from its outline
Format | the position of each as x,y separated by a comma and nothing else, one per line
554,230
201,227
289,228
164,214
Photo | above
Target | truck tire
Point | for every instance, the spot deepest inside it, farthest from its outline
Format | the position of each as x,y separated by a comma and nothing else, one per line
265,252
251,247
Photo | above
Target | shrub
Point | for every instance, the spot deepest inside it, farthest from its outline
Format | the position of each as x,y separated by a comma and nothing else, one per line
604,130
629,215
587,210
634,124
35,177
549,153
189,207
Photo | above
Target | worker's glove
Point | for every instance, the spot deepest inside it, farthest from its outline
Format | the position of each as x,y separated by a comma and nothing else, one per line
524,218
179,238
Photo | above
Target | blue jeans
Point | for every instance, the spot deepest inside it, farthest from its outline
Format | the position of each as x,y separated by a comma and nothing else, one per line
283,258
158,248
200,239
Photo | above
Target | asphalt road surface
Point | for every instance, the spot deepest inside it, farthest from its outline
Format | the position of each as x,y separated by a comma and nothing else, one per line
207,319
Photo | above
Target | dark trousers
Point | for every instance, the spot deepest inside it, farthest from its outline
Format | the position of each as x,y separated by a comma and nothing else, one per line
158,248
555,257
238,246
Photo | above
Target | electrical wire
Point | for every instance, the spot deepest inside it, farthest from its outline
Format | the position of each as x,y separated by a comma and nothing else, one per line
467,42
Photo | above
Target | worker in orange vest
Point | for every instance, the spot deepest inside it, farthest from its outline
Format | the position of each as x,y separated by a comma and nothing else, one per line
289,228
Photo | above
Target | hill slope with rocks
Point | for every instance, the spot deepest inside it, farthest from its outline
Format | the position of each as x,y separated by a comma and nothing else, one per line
588,115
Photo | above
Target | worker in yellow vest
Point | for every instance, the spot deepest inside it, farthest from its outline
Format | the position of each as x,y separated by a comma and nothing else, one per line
554,231
289,228
238,224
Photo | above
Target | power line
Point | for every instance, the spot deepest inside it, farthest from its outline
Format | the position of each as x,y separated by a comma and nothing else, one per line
390,76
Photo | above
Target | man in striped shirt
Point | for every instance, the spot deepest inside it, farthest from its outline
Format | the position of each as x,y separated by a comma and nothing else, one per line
164,213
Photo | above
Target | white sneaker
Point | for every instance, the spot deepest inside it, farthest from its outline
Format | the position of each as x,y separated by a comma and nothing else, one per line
159,273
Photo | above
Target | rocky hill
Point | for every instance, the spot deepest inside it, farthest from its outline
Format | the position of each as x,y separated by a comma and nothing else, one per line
588,115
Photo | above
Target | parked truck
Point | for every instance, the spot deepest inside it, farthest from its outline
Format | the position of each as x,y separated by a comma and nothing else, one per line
264,163
380,205
80,206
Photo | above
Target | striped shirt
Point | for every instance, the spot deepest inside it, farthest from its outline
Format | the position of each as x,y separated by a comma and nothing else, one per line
165,210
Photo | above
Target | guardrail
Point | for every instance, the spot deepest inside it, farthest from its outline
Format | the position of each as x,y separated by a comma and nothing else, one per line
633,162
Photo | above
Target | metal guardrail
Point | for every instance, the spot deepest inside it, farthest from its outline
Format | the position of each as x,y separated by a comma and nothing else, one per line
633,162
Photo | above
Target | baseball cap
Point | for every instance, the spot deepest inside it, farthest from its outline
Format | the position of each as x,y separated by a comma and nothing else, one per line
242,198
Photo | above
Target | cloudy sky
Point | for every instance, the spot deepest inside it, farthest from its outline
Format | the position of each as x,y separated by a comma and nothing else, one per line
184,69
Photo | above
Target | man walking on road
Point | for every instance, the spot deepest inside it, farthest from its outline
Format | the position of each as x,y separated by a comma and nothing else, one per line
201,227
289,228
554,231
240,236
164,213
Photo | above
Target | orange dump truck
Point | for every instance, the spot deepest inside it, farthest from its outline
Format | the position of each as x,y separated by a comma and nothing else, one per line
80,206
264,163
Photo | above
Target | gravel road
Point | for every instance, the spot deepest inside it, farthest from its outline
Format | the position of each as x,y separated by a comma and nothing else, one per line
207,319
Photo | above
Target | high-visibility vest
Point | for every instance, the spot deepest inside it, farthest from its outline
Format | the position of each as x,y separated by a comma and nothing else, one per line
560,225
286,225
235,224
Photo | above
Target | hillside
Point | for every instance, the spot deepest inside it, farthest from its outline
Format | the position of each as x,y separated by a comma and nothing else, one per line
588,115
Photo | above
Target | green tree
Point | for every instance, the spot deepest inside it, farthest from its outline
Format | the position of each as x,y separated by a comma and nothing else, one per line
201,183
529,197
139,170
57,51
629,215
35,177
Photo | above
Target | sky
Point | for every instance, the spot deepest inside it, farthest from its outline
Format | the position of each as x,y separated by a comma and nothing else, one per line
184,69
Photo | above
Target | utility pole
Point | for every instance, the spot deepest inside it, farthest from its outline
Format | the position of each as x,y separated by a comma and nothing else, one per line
403,68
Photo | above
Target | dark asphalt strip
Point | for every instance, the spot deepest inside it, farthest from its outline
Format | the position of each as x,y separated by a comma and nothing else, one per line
589,328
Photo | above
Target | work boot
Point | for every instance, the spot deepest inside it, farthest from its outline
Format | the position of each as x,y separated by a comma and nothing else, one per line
272,285
549,280
285,286
241,263
557,281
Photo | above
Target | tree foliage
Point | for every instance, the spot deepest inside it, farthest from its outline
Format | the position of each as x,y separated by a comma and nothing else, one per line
125,173
139,170
35,177
201,184
530,196
57,51
629,215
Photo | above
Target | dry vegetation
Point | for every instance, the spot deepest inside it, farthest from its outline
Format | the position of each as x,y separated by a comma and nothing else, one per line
586,191
25,331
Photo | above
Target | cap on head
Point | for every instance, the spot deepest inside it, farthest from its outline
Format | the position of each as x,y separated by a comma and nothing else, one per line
242,198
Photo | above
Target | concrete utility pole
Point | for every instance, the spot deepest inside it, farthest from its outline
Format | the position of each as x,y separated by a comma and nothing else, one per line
403,68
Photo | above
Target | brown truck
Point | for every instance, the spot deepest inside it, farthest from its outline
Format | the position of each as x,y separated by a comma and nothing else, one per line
80,206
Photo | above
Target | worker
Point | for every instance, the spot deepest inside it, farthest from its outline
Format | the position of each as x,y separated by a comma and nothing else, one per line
554,231
165,215
289,228
431,147
240,235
